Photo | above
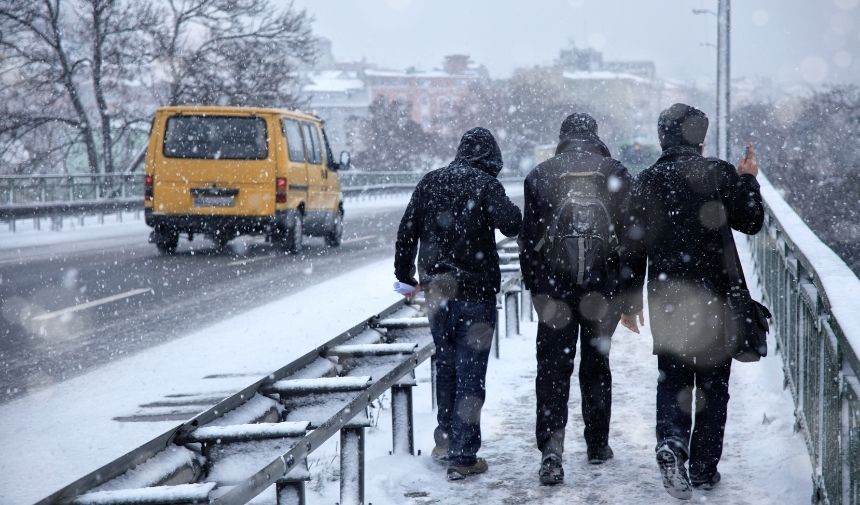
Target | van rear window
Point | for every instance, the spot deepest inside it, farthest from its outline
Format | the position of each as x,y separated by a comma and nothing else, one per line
216,138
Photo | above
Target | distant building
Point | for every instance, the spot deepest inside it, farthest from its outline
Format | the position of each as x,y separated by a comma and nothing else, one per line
434,95
644,69
627,104
339,97
341,93
581,59
624,96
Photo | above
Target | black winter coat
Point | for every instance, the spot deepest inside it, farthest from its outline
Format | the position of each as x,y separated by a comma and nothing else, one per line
675,216
453,214
544,191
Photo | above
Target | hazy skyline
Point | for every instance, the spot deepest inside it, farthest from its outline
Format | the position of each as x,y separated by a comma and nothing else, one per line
807,42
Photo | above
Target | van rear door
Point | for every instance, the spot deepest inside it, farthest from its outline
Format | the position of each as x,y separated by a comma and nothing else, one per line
216,164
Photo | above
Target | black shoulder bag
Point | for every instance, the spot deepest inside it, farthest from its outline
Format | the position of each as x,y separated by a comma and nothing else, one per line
745,321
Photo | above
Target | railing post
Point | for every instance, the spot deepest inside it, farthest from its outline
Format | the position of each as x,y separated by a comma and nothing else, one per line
496,339
850,437
433,381
290,493
512,316
403,441
352,465
526,308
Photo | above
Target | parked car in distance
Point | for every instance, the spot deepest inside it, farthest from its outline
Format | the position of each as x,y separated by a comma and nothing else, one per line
229,171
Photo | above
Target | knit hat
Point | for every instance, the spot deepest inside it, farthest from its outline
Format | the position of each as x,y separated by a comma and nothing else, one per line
578,124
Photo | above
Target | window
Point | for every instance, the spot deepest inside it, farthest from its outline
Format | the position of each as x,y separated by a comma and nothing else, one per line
295,146
312,144
216,138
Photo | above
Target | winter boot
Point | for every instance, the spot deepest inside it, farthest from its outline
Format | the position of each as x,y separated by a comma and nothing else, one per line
551,472
675,478
600,455
440,455
460,472
706,483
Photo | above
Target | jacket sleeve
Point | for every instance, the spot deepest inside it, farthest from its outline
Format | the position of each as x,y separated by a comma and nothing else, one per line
529,236
406,247
503,213
620,188
742,200
633,250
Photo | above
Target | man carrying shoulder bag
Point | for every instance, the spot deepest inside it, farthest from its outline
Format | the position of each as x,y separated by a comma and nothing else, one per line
679,220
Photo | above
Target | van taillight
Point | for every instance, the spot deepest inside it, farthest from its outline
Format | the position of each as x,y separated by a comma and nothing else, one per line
148,182
281,190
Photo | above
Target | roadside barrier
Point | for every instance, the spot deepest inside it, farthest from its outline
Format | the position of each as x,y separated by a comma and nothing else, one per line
54,197
262,435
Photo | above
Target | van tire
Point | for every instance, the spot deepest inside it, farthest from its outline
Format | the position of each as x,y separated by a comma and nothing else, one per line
290,239
335,235
220,240
166,241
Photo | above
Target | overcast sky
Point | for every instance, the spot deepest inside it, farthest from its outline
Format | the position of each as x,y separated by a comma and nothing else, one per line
797,41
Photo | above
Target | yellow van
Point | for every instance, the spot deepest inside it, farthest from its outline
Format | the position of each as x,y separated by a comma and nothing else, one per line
228,171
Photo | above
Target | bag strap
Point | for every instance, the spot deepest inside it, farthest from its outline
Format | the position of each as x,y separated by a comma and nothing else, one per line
731,261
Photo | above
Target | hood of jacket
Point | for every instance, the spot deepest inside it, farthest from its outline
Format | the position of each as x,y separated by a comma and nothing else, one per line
682,125
582,142
478,148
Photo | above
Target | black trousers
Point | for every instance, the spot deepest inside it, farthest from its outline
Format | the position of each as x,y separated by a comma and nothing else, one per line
592,320
675,410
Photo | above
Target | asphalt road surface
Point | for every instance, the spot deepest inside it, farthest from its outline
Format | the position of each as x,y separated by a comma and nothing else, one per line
69,307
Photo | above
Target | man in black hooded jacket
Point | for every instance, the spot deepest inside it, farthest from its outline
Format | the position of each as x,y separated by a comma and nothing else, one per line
567,310
678,210
453,214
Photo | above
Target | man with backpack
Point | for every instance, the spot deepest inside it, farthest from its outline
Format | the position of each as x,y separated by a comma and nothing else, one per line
574,205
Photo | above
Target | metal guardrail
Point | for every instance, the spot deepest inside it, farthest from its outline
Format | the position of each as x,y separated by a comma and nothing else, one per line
813,295
57,196
191,478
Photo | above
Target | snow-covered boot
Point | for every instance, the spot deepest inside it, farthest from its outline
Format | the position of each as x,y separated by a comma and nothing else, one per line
600,455
440,455
551,472
675,478
459,472
706,483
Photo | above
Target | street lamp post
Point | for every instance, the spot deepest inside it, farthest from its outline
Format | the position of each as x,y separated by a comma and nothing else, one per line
723,78
723,74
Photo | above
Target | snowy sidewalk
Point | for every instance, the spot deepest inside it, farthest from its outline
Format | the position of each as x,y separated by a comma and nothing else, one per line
764,461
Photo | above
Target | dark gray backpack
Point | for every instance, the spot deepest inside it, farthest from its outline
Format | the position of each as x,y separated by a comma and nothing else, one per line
580,235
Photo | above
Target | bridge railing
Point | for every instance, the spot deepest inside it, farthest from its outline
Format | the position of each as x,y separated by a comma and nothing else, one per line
63,188
56,196
814,298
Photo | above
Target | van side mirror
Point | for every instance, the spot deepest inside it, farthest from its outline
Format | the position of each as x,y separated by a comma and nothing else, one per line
345,160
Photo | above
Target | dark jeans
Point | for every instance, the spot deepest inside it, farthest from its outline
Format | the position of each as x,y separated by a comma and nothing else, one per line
561,322
675,414
463,334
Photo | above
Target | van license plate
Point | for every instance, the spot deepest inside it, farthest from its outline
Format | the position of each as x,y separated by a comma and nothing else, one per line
214,201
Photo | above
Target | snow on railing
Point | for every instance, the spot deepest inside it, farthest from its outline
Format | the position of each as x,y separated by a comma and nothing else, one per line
814,297
229,453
